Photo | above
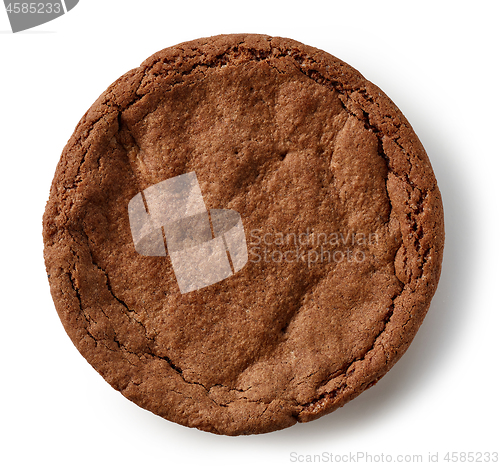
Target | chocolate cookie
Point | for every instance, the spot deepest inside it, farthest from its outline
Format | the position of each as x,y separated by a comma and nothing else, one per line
243,233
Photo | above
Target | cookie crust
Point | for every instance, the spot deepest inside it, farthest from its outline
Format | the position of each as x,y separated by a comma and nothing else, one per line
297,142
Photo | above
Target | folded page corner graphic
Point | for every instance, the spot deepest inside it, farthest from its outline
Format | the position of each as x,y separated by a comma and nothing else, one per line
171,215
27,15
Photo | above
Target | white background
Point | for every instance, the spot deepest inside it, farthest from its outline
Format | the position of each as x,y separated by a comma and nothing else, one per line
439,61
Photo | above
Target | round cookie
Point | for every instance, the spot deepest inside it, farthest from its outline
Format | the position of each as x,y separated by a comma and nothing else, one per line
243,233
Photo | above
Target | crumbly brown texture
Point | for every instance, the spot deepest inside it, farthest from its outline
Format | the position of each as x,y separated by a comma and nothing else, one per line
297,142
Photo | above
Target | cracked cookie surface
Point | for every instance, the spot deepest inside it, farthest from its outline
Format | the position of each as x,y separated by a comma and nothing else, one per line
316,160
